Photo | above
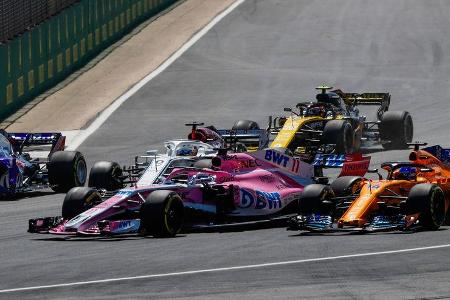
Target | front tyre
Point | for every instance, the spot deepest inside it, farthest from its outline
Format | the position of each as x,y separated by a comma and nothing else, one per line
340,133
316,198
346,185
162,214
66,169
428,200
78,200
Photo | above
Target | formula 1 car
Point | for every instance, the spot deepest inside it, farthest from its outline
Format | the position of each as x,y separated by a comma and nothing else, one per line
245,135
21,172
233,188
335,119
151,168
154,167
414,195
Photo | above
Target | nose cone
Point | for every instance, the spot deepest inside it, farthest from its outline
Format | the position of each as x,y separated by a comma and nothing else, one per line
351,222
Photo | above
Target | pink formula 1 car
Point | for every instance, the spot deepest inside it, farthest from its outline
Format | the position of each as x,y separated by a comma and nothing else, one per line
222,190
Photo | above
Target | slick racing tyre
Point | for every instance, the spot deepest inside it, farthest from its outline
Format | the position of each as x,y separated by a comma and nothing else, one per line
245,125
340,133
397,128
66,169
428,200
316,198
106,175
346,185
162,214
78,200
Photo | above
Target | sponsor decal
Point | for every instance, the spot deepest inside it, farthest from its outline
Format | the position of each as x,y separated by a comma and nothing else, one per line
124,226
251,163
259,199
355,168
267,178
285,162
276,157
123,193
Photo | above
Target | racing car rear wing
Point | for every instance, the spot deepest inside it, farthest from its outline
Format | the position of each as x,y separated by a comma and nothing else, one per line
355,99
54,141
351,164
255,138
382,99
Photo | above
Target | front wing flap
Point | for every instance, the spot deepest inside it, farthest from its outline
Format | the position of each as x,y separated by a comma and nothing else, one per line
44,225
324,224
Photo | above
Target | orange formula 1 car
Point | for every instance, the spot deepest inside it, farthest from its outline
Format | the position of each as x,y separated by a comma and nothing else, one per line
415,194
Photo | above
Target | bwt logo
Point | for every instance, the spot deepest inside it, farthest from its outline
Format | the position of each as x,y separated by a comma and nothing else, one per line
260,200
277,158
125,224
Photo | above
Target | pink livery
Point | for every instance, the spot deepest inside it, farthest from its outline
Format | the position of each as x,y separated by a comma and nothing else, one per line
222,190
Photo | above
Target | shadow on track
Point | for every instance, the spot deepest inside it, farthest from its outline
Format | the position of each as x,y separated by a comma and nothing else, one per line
346,233
27,195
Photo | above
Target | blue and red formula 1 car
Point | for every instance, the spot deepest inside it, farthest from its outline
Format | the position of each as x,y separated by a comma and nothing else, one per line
35,161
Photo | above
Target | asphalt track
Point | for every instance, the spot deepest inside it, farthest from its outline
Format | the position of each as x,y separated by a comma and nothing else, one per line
263,56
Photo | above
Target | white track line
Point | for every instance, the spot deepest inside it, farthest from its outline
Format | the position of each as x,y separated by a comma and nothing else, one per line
246,267
84,134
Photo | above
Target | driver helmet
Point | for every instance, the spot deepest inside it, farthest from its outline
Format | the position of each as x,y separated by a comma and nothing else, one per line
316,111
406,173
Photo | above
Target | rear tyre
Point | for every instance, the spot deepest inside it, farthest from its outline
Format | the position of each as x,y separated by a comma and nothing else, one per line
428,200
316,198
397,128
66,169
346,185
162,214
78,200
340,133
245,125
106,175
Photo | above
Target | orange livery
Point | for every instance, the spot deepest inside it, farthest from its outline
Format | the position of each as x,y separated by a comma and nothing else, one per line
415,194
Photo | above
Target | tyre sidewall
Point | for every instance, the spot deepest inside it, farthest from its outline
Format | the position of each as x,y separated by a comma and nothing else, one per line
427,200
154,214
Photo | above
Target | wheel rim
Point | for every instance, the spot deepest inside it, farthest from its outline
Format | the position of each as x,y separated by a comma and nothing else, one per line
81,172
173,216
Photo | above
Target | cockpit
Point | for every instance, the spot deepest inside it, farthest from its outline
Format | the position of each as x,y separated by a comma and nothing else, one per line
404,170
405,173
188,148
